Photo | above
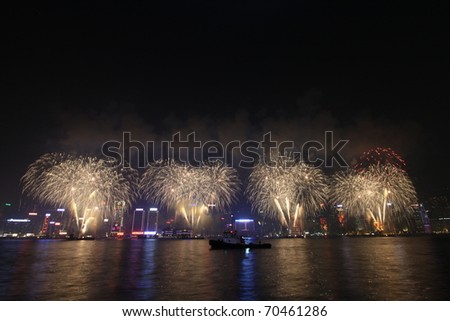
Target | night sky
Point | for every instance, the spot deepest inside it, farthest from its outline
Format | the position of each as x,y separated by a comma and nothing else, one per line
76,75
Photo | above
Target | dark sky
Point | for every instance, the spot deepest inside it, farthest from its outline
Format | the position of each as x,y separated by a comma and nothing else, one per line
76,75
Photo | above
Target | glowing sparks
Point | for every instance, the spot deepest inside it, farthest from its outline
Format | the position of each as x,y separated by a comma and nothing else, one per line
380,156
88,187
384,193
287,191
190,189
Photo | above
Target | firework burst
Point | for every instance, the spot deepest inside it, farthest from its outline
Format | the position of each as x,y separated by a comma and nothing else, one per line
384,193
190,190
287,191
380,156
87,186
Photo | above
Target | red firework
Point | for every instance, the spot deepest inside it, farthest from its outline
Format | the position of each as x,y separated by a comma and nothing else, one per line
380,156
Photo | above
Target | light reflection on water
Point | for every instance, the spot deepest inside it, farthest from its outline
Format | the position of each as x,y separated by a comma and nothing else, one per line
293,269
247,277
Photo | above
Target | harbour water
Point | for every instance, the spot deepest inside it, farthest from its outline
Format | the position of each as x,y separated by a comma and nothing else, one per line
345,268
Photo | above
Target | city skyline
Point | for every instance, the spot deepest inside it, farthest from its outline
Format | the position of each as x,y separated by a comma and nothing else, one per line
163,158
289,193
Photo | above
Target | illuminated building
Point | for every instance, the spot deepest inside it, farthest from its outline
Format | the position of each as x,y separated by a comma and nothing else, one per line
17,227
439,213
421,219
244,226
145,223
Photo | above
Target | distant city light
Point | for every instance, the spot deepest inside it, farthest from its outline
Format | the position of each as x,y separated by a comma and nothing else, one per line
153,209
33,214
18,220
150,233
8,204
244,224
139,209
60,210
57,223
48,214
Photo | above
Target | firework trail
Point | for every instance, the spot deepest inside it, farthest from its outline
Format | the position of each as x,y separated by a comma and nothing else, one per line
87,186
383,192
287,190
396,194
355,191
190,190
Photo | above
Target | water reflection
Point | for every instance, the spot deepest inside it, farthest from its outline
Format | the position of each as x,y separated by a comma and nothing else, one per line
21,258
293,269
184,270
286,270
134,276
247,277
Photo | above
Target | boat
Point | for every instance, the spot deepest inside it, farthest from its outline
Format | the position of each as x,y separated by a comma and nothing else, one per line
231,240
